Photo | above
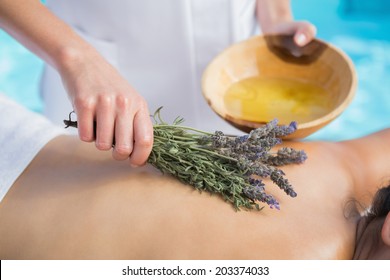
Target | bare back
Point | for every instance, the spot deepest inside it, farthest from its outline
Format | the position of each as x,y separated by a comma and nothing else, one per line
73,202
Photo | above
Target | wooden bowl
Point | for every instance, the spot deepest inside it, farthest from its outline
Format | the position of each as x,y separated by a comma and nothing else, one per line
277,57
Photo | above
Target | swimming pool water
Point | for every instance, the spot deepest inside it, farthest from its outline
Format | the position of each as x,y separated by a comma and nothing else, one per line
359,28
19,73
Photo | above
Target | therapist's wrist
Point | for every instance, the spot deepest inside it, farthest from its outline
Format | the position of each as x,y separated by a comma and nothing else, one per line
70,57
271,13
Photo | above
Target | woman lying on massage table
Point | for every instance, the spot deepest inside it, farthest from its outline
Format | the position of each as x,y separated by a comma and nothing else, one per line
73,202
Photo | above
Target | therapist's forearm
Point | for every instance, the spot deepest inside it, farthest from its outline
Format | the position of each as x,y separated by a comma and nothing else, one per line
98,92
33,25
273,12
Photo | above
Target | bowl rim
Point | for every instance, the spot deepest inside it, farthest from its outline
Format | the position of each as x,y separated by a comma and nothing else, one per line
325,119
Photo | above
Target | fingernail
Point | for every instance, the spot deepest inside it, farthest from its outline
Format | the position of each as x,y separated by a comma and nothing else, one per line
301,39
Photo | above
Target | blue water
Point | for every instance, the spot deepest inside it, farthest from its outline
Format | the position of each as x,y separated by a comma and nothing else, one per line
359,28
19,73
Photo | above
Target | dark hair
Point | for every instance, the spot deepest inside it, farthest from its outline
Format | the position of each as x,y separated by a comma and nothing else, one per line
374,218
380,206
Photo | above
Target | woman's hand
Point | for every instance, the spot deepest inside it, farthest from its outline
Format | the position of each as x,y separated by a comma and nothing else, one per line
98,92
102,97
275,17
304,32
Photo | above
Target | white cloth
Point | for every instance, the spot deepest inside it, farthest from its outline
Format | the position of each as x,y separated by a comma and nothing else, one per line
22,135
160,46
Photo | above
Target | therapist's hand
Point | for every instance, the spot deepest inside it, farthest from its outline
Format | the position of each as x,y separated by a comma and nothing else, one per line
100,94
275,17
304,32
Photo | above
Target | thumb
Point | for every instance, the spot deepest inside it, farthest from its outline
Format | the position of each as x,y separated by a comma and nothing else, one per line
304,34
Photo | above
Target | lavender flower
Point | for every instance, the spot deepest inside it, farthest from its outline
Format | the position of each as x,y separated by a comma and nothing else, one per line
232,167
285,130
286,156
227,165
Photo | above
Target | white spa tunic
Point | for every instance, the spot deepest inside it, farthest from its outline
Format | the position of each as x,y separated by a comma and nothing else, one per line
161,47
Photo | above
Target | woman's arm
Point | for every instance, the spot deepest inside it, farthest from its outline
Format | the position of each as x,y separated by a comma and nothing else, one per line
275,16
32,24
97,91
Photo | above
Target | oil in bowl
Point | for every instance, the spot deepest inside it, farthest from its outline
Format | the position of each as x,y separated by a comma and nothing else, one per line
261,99
250,83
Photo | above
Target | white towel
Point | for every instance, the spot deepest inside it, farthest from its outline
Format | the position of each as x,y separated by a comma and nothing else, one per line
23,134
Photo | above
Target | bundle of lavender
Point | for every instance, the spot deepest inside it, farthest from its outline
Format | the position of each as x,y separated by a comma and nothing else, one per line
231,166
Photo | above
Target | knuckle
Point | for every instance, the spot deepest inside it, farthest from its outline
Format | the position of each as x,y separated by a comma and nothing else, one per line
123,150
83,103
145,142
86,137
142,105
309,27
138,102
105,100
122,102
103,146
117,156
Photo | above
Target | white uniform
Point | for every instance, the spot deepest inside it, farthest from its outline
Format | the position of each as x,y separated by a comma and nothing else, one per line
160,46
